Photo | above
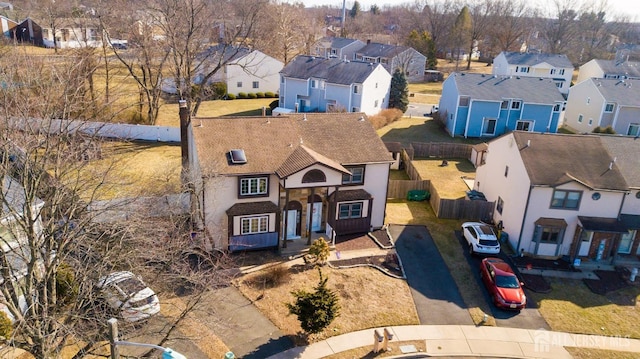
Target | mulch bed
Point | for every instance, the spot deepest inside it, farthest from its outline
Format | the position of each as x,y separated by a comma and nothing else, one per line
608,281
363,241
535,282
388,263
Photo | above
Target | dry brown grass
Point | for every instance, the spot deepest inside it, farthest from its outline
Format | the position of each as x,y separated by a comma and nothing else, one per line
368,299
446,179
585,353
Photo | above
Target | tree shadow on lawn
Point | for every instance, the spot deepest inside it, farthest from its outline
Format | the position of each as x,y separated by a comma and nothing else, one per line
577,292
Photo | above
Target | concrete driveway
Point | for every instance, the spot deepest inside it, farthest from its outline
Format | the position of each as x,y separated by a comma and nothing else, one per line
528,318
434,291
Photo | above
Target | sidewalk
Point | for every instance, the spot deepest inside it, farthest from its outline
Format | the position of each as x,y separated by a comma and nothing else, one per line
467,340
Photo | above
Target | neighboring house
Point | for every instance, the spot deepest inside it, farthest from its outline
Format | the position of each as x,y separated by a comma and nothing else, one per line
314,84
11,240
609,69
392,57
602,103
240,68
625,153
28,31
7,26
337,47
262,181
554,200
479,105
539,65
73,33
246,70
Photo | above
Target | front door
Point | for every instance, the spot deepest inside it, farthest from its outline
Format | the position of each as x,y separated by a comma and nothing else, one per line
317,216
585,243
626,241
293,218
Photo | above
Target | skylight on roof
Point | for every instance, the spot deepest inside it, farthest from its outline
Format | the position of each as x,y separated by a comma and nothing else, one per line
237,156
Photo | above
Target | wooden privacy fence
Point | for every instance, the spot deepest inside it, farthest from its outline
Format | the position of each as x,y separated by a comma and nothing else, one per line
443,207
400,188
441,150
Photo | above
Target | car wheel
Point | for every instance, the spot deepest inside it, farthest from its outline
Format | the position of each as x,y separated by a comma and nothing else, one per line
471,251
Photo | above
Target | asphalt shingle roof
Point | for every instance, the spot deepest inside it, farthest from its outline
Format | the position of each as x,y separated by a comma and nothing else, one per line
626,68
272,144
335,71
532,59
498,88
623,92
626,151
555,159
374,49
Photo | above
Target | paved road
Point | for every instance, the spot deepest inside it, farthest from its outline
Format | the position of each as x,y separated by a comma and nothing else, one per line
528,318
434,291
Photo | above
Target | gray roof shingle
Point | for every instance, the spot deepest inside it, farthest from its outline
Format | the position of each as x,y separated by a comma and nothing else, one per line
333,139
623,92
555,159
498,88
626,151
532,59
335,71
626,68
374,49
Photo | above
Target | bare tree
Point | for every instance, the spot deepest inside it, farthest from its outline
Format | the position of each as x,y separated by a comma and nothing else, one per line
482,17
287,26
55,246
510,25
560,30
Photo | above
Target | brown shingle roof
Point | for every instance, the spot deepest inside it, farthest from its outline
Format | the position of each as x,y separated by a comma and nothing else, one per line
240,209
555,159
626,151
269,142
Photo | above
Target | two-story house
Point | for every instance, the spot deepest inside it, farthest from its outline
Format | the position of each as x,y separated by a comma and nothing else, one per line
263,181
317,84
243,70
560,195
556,67
609,69
337,47
479,105
604,103
392,57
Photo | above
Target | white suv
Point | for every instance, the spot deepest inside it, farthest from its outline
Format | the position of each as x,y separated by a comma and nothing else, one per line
481,238
127,293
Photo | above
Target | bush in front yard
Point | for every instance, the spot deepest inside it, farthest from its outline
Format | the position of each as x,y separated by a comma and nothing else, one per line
260,94
270,94
6,328
231,96
242,95
315,310
385,117
319,251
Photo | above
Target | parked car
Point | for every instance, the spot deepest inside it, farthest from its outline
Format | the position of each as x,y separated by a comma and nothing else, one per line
481,238
128,294
502,283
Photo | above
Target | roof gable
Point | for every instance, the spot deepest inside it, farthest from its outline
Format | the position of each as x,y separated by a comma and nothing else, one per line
624,151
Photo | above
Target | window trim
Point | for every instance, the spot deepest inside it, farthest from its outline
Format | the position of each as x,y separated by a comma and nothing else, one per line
565,199
350,209
530,122
256,84
607,106
250,194
484,126
516,105
262,224
350,181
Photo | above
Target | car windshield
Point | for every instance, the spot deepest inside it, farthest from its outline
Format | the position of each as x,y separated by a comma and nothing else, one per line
486,230
488,242
131,286
142,302
507,281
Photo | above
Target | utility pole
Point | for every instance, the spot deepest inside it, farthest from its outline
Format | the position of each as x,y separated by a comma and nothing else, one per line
113,338
167,353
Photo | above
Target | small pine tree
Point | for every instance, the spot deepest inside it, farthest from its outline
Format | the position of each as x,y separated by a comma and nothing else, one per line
315,310
399,93
320,250
6,328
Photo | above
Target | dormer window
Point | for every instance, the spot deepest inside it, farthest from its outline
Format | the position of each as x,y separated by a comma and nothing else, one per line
356,177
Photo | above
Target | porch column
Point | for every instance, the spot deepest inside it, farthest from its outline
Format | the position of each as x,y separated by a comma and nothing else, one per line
310,215
575,246
286,219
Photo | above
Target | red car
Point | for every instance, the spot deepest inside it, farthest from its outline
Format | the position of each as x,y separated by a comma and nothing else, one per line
504,286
